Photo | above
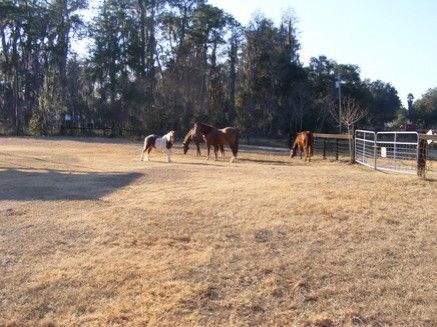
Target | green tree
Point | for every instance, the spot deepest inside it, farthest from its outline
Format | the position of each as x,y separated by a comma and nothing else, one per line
269,68
383,103
425,109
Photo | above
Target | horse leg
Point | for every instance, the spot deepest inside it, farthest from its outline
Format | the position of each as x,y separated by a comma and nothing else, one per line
215,152
168,152
293,150
149,149
234,148
142,154
198,149
222,150
209,151
146,150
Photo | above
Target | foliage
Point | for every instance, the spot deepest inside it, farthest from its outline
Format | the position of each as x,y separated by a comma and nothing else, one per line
160,64
425,109
35,126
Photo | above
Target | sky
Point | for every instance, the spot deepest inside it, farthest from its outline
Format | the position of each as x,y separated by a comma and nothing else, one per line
394,41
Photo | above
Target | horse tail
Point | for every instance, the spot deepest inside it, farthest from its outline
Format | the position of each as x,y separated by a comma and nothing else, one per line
311,142
237,137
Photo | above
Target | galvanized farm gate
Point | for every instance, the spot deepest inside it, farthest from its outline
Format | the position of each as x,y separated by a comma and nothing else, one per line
365,148
397,151
392,151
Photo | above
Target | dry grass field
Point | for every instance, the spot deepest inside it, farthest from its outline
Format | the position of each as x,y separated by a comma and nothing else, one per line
91,236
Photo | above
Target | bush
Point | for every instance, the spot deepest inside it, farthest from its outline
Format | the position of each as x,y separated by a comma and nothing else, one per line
35,125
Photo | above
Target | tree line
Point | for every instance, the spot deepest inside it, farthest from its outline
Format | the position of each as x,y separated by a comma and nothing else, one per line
156,65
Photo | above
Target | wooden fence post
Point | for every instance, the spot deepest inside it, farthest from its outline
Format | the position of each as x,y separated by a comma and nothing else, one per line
421,158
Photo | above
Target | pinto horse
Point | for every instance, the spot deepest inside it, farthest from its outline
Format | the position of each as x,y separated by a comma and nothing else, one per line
217,138
304,141
190,137
164,143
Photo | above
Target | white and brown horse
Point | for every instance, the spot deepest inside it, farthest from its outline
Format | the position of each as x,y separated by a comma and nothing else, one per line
217,138
164,144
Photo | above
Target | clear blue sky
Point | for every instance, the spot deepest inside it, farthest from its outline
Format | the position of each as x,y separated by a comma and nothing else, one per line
391,40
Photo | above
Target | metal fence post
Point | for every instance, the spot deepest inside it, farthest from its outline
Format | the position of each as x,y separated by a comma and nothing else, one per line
324,148
374,151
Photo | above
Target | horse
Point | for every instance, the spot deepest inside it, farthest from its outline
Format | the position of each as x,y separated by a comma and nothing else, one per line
197,140
304,141
164,143
217,138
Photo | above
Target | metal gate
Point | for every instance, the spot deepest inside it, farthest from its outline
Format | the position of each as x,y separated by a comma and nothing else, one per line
365,148
392,151
397,151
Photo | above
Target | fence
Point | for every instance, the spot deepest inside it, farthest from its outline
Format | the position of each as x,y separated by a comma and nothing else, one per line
427,156
332,145
365,149
102,132
403,152
397,151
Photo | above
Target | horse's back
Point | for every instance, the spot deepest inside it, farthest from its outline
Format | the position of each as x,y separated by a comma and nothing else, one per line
230,130
150,140
305,137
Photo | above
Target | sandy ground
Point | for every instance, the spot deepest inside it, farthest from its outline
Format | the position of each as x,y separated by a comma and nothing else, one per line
91,236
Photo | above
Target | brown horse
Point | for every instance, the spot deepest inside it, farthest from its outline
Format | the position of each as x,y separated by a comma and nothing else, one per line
304,141
217,138
196,140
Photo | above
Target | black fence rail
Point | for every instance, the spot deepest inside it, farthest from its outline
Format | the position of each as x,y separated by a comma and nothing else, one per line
335,146
103,132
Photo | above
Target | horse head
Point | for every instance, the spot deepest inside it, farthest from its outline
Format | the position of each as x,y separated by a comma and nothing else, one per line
187,140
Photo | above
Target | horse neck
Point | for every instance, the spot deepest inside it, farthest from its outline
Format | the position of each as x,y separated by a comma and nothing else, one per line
205,129
187,138
167,137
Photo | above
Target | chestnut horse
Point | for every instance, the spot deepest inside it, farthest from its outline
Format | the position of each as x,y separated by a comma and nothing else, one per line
189,137
217,138
304,141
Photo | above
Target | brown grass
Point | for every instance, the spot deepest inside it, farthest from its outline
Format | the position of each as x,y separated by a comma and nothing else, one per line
91,236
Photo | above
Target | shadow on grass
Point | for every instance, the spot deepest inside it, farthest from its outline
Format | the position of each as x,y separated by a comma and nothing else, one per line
201,163
46,185
265,161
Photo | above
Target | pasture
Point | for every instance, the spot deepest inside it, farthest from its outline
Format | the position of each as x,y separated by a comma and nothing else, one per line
89,235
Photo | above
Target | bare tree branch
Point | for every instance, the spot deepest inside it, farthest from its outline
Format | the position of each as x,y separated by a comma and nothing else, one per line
352,112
